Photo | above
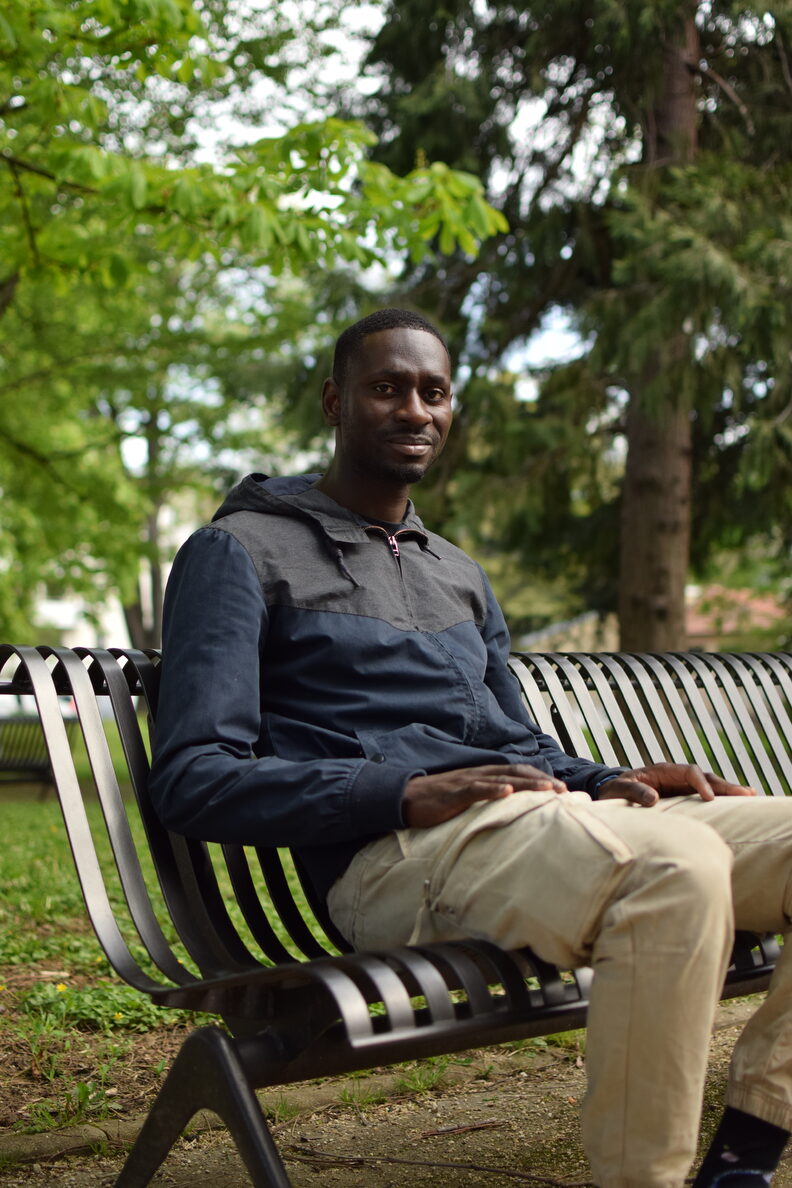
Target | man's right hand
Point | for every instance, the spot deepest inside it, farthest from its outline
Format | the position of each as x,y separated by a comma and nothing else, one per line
431,799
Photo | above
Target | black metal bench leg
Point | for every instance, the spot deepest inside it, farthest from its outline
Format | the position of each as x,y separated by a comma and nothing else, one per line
207,1074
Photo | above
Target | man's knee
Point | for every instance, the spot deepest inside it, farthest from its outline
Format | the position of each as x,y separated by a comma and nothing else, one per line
683,871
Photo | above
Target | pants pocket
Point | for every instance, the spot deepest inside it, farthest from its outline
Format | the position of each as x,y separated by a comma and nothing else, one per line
537,874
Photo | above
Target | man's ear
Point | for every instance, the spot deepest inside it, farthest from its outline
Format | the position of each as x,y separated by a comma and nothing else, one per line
331,402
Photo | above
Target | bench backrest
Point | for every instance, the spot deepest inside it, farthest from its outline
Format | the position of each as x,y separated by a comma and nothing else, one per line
729,713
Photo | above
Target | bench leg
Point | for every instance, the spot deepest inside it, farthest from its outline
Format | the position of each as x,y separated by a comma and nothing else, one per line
206,1074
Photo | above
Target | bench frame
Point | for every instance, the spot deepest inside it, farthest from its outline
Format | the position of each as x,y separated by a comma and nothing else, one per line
303,1007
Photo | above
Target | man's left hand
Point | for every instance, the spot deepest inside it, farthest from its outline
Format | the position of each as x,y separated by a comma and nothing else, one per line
645,785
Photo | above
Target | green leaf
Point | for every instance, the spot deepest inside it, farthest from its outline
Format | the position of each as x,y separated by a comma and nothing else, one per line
138,186
7,34
256,229
447,240
119,268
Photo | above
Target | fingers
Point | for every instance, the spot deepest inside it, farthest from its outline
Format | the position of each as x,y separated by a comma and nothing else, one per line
680,779
698,782
521,777
627,788
485,790
530,779
431,799
723,787
645,785
493,787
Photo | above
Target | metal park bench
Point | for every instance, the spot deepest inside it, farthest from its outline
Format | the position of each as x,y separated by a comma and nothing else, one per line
296,1003
24,758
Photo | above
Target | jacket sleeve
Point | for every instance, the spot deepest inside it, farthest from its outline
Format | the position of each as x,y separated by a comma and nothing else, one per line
578,774
205,780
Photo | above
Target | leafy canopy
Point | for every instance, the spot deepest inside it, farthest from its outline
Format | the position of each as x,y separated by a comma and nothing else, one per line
137,196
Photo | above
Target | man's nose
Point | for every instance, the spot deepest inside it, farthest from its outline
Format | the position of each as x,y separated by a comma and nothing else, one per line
413,410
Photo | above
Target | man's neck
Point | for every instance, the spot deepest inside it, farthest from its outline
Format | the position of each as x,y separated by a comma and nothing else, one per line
366,499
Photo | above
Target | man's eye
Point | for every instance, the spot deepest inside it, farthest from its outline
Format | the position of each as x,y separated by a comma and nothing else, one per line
435,396
383,387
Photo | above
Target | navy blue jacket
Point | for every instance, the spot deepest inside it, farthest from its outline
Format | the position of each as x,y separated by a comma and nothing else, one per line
309,672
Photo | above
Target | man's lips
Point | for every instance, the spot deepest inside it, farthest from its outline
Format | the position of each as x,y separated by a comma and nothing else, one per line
412,445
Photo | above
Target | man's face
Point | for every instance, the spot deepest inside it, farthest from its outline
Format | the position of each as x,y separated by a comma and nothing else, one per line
393,409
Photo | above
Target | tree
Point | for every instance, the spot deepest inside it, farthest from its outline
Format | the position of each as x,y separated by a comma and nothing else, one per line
121,248
640,155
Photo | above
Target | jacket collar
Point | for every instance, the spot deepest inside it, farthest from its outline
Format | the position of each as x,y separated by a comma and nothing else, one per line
299,495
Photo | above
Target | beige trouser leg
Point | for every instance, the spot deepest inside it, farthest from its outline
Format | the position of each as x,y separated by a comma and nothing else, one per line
759,833
642,895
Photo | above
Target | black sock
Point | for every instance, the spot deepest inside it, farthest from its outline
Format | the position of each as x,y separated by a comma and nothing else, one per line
745,1151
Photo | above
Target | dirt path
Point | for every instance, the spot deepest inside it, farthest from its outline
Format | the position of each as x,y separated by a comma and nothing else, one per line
496,1117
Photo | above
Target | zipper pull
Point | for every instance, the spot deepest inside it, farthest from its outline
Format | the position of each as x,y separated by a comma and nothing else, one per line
394,544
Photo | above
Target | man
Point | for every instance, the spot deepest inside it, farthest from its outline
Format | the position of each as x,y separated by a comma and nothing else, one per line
335,680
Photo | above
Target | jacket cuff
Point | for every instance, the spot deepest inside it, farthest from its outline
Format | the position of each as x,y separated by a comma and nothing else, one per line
376,797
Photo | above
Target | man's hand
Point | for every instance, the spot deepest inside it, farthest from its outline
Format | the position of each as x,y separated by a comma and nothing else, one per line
431,799
645,785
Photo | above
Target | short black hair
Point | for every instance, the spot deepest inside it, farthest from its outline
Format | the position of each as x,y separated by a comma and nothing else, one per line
382,319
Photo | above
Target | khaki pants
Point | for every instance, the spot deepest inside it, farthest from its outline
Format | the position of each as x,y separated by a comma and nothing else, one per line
650,899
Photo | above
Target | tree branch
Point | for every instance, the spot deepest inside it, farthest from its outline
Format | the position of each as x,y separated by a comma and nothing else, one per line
15,163
784,60
576,127
7,290
57,368
29,231
45,461
8,106
727,88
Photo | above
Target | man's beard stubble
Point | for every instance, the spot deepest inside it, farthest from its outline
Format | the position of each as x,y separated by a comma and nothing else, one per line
405,473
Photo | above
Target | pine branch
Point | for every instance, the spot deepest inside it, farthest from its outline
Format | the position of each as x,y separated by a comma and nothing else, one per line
575,132
727,88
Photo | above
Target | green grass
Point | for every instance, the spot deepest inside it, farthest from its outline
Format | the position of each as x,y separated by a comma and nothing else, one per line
63,1012
357,1096
42,915
423,1076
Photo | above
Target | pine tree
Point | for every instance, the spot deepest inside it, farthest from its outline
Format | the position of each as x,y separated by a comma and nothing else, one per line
641,154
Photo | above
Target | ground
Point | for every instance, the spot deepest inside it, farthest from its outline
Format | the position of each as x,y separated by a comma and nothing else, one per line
498,1116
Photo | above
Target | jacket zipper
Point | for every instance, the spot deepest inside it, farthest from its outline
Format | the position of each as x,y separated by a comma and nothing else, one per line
393,545
392,541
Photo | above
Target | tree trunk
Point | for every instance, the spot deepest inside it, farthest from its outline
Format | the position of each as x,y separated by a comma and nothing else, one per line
655,527
140,633
144,615
655,530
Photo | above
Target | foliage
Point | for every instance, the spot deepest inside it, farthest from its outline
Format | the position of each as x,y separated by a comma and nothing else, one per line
78,85
137,195
665,245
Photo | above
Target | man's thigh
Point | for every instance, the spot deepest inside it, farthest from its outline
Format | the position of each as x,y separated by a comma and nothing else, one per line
758,830
534,869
